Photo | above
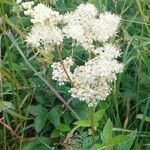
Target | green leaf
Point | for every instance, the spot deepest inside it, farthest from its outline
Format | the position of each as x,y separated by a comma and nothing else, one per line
113,141
83,123
96,146
107,132
55,134
54,116
67,117
118,139
80,107
98,115
63,128
39,122
128,143
37,144
38,110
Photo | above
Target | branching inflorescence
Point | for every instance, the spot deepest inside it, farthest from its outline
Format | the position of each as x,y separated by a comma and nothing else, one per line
91,82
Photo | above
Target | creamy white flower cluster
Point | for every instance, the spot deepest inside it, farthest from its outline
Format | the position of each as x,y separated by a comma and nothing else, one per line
85,25
44,32
92,81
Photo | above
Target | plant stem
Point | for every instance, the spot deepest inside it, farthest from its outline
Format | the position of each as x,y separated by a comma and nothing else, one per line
116,105
91,118
63,65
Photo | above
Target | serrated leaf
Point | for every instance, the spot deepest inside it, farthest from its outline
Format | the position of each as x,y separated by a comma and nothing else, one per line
41,116
107,132
37,110
98,115
67,117
39,122
112,142
54,116
127,144
118,139
83,123
80,108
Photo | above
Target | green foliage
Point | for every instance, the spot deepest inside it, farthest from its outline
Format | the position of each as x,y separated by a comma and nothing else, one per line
34,118
83,141
54,116
83,123
96,118
126,145
107,132
37,144
118,142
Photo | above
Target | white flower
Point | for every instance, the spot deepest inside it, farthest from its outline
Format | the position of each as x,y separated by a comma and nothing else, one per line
58,71
87,10
91,82
27,5
42,13
108,51
75,31
91,95
78,25
106,26
90,26
43,35
44,32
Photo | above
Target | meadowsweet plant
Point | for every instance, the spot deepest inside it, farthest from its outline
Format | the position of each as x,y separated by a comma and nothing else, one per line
85,26
65,86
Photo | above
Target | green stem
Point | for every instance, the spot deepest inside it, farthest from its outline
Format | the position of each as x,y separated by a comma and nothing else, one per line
91,118
63,65
117,119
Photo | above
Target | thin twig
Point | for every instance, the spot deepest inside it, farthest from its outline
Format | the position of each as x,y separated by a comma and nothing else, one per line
70,134
8,128
63,65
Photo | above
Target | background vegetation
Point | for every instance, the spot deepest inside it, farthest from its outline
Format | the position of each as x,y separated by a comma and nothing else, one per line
32,114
